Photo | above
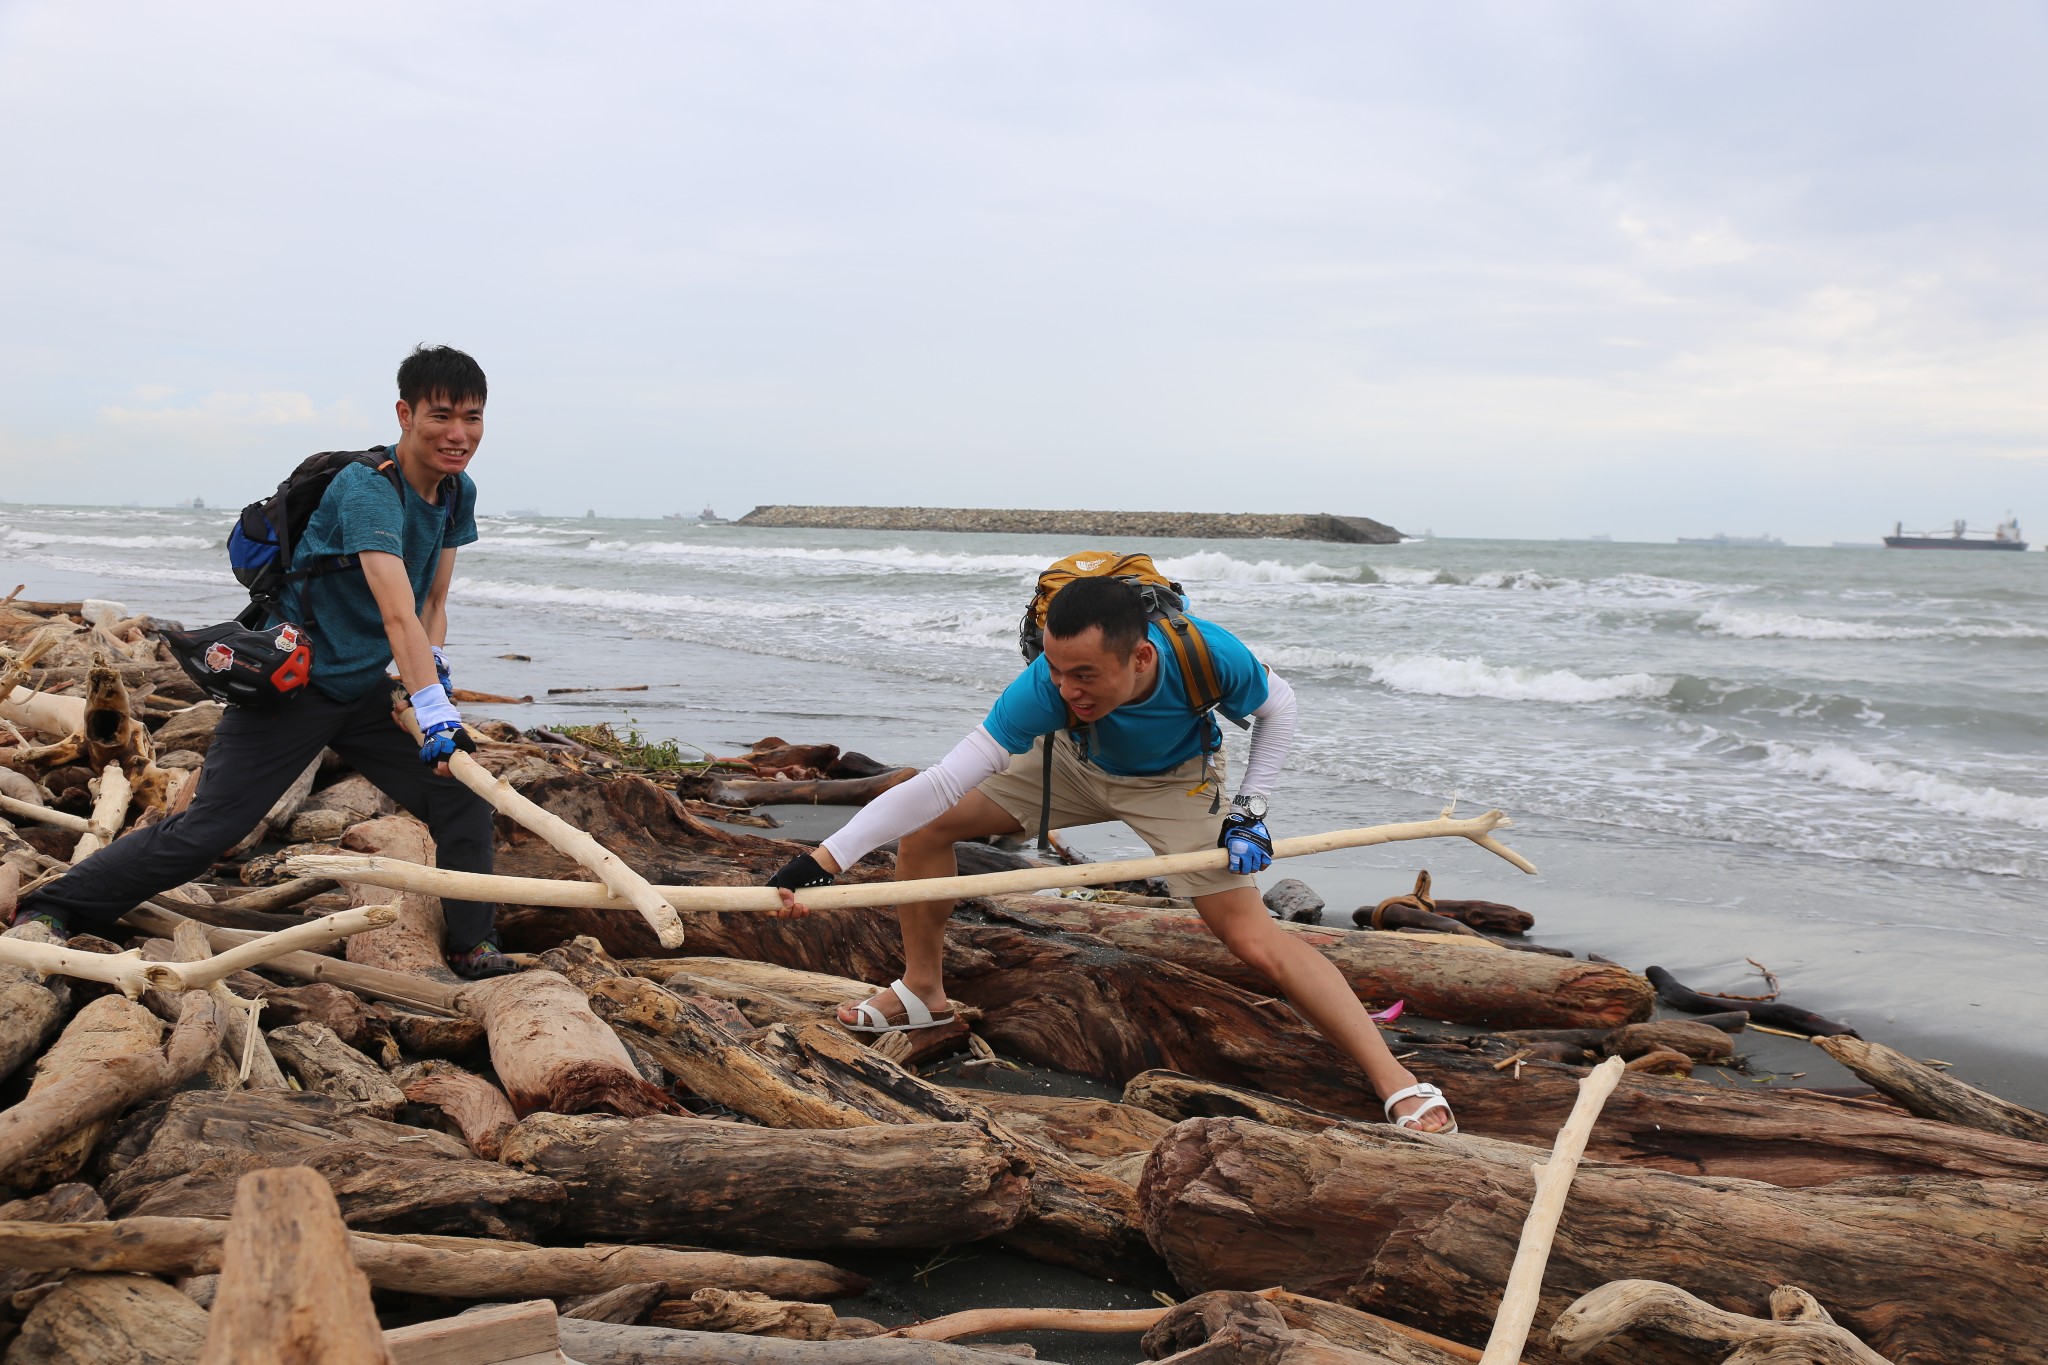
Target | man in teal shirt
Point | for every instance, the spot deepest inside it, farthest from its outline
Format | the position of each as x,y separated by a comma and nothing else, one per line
380,553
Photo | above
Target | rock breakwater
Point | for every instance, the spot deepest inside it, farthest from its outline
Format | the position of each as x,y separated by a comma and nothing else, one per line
1071,522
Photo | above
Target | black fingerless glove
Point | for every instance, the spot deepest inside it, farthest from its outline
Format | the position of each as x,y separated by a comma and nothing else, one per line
801,873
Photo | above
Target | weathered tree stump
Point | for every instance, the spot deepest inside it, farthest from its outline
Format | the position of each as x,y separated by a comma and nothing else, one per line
1799,1331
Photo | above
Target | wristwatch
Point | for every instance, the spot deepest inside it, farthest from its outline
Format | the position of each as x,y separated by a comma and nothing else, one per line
1254,806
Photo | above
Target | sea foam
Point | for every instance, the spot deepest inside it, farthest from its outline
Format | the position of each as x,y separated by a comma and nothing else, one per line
1834,766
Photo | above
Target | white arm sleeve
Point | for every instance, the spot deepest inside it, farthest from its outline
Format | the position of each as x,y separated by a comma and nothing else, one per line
1272,733
921,800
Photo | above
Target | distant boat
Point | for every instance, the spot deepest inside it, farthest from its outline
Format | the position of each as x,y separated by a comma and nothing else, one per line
199,504
1766,541
671,516
711,518
1960,537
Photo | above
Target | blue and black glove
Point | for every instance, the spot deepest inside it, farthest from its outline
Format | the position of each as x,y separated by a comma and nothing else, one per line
441,732
1250,846
800,874
441,670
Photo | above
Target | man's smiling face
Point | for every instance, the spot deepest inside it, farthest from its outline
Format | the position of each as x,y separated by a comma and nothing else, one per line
444,431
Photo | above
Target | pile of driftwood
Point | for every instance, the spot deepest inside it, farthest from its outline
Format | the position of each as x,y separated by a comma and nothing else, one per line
271,1123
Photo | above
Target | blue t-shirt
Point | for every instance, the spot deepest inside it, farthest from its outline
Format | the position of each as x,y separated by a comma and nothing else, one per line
1139,738
361,511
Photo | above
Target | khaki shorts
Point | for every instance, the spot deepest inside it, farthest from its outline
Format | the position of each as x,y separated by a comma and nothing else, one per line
1169,811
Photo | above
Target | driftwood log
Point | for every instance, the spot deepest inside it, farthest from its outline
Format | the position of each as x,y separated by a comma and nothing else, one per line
1423,1230
388,1177
1467,985
728,1184
552,1053
606,1343
1798,1332
478,1110
33,1007
1930,1094
1770,1013
436,1266
326,1065
111,1320
413,942
289,1292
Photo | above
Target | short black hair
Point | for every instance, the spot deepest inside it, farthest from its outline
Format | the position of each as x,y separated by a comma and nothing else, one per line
440,372
1109,603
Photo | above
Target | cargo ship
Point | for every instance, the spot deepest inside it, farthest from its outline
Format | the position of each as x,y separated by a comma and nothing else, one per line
1959,537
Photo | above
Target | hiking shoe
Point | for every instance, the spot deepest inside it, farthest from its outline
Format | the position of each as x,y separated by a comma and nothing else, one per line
484,960
49,919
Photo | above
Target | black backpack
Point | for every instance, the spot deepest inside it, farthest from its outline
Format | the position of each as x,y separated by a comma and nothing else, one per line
261,544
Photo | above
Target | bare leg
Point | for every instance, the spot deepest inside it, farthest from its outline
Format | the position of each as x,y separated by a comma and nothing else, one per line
1313,985
928,852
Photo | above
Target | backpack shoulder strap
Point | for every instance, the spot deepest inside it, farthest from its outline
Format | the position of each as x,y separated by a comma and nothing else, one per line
1197,665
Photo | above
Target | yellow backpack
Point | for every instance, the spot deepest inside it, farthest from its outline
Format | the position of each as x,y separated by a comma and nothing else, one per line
1165,602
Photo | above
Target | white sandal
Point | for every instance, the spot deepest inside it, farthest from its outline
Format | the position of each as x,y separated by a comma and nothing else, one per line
1431,1097
916,1014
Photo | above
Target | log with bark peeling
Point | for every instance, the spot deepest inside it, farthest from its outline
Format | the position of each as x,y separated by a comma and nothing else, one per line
326,1065
1423,1229
289,1292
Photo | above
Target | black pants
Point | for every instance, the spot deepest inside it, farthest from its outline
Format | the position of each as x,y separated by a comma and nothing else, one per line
255,756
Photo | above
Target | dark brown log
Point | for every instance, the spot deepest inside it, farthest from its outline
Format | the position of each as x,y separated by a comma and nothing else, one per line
552,1053
1424,1230
190,729
1770,1013
1099,1134
669,1179
387,1177
289,1293
325,1064
1488,917
32,1007
1468,985
478,1110
111,1320
1930,1094
436,1267
414,944
1700,1042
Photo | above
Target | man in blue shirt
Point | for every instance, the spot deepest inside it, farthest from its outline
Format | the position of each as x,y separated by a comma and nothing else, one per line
1108,695
386,557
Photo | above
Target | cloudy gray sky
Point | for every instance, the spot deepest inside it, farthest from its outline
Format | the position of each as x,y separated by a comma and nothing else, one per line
1496,269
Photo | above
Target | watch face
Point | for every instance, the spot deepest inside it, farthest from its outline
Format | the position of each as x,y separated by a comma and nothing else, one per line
1254,806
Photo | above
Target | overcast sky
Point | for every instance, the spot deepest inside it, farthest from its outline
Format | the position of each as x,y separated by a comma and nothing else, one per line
1504,270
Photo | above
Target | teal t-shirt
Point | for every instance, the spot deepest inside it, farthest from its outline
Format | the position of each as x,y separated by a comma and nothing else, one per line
1139,738
361,511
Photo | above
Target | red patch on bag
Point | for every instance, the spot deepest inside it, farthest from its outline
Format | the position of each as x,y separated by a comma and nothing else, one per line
288,638
219,658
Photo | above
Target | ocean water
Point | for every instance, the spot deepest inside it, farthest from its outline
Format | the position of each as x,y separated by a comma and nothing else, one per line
1831,760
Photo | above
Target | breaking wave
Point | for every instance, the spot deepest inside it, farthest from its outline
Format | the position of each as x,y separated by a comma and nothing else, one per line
1834,766
38,539
1435,675
1769,625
